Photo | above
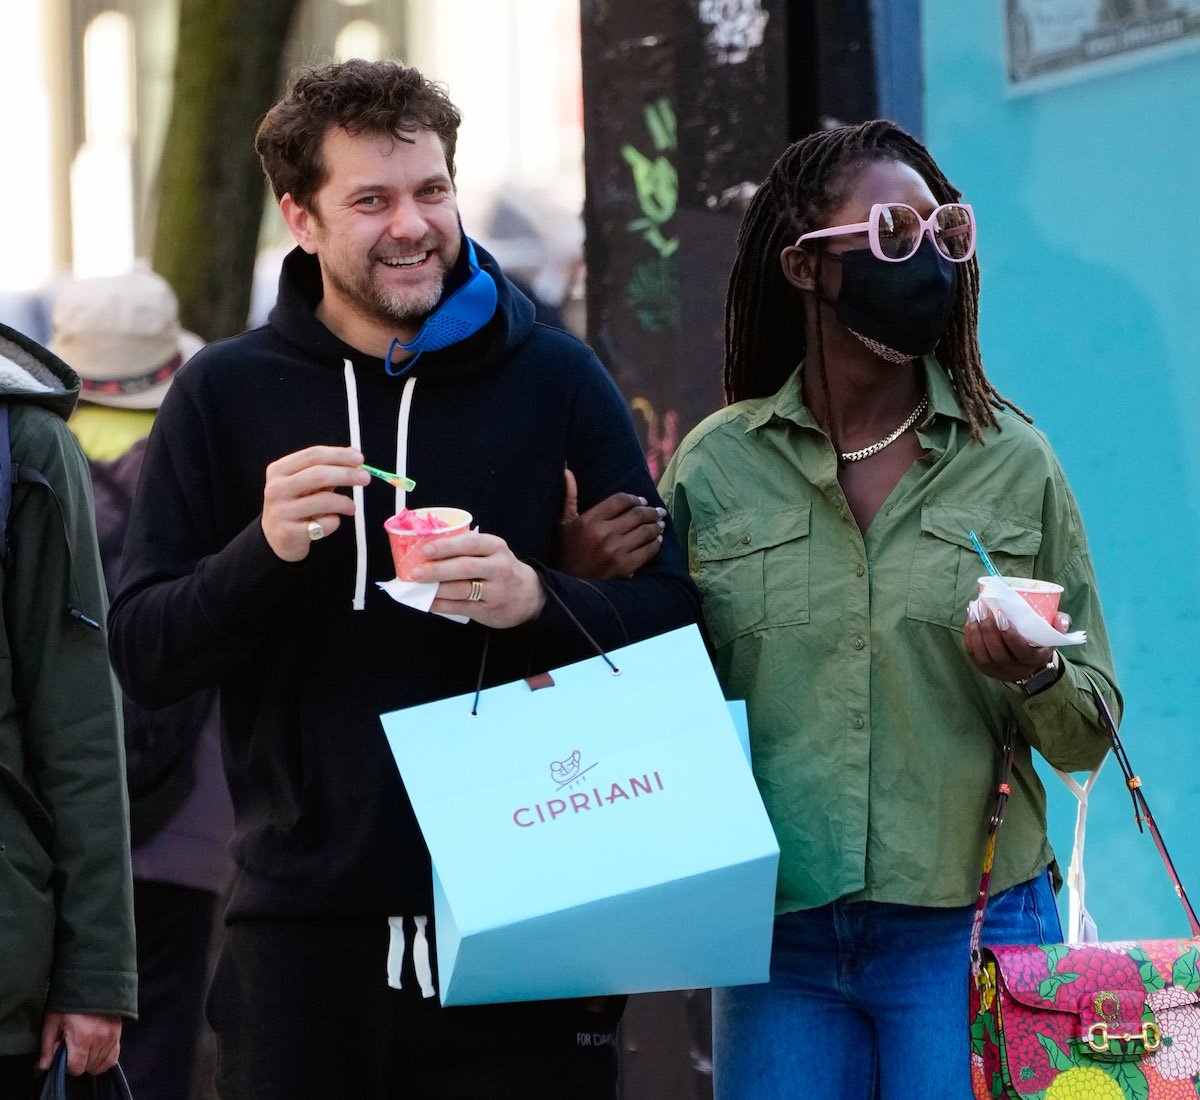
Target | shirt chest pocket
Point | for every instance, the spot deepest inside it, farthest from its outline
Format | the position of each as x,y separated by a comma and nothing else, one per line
752,571
946,568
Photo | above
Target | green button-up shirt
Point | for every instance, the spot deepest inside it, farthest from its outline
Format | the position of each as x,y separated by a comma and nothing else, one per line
875,739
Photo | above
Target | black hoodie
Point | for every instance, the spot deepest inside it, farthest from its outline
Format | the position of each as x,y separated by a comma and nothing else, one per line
308,655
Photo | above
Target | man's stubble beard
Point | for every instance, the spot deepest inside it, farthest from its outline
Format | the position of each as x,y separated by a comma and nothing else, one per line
403,308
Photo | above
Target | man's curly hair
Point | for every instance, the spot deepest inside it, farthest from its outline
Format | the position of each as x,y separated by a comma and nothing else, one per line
362,97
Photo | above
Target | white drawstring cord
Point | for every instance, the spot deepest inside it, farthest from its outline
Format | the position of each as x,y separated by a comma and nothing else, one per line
402,438
421,958
360,518
395,958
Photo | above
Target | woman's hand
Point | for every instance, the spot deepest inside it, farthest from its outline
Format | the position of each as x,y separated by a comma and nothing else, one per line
998,650
613,539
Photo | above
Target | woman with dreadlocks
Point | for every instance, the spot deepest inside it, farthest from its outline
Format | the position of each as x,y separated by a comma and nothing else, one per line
826,511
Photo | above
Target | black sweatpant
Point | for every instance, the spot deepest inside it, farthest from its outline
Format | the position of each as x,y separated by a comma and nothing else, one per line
16,1076
303,1009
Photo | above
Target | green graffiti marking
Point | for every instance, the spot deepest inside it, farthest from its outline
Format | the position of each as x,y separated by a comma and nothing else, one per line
653,289
653,294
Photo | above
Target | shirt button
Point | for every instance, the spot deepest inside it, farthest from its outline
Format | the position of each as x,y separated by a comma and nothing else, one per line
859,570
859,723
858,641
745,540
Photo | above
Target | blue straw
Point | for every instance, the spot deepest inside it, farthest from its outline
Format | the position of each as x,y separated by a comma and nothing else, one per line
987,562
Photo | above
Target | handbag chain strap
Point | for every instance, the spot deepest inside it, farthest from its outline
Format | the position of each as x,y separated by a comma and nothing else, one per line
1141,816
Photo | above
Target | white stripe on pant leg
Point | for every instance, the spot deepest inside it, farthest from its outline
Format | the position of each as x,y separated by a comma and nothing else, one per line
421,958
395,959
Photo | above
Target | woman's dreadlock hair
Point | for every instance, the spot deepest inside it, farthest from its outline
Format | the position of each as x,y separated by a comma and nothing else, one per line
764,324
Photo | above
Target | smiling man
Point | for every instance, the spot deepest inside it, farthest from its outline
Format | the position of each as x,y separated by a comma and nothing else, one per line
384,228
251,561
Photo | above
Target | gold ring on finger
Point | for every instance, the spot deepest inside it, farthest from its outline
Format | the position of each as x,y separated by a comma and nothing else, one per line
476,594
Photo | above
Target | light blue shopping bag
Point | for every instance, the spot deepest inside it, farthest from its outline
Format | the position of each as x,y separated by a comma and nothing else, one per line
601,835
741,724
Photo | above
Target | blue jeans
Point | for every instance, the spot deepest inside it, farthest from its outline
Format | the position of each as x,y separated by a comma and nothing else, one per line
867,1001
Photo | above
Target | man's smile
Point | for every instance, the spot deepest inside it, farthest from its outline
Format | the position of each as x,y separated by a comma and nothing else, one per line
404,261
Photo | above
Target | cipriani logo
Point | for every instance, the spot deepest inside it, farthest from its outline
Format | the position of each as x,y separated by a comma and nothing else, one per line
568,775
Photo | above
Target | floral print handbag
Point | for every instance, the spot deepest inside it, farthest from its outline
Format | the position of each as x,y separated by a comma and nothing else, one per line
1085,1021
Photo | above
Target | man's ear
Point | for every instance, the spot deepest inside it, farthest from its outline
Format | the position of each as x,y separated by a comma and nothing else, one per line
301,222
799,267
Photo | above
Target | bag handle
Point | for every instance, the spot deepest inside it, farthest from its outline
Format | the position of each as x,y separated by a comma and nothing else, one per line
1141,808
111,1084
544,680
1141,814
1080,926
582,629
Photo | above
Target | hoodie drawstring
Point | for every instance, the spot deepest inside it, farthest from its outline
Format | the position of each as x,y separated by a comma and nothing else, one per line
398,948
360,519
402,438
401,464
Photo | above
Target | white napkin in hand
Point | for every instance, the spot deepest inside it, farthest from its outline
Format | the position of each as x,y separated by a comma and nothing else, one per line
416,594
998,596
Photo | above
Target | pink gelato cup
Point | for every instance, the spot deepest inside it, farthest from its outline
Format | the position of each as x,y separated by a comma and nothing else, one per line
408,531
1042,596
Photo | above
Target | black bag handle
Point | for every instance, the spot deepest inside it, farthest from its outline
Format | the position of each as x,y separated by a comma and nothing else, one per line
544,680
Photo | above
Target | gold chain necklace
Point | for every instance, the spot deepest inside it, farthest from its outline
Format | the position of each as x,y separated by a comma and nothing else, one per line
888,440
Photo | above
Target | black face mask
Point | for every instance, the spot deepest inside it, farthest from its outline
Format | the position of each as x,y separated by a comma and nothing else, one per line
904,306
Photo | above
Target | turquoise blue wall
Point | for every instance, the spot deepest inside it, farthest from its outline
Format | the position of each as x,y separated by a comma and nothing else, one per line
1088,202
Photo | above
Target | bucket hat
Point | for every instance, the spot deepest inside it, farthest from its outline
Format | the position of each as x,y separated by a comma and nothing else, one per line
121,334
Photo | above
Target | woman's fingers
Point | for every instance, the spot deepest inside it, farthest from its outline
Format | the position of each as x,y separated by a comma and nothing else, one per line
997,648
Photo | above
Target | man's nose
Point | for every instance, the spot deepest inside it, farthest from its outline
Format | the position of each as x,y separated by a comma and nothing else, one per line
407,221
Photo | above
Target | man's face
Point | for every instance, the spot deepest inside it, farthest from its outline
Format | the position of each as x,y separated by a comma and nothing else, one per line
384,226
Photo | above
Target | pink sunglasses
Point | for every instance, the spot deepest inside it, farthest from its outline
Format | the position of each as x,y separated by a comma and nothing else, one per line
895,231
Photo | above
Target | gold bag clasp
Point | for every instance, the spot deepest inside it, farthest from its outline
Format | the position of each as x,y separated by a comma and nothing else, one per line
1099,1037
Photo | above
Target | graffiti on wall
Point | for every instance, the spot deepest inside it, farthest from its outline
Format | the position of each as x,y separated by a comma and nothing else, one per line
660,433
653,288
737,26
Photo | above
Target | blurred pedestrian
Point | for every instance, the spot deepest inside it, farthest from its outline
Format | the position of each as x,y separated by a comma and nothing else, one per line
66,916
122,335
827,513
252,544
539,244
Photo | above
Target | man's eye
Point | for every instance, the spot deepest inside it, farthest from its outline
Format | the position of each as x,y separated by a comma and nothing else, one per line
369,200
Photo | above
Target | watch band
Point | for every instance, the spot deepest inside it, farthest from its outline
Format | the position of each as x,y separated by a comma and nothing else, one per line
1043,678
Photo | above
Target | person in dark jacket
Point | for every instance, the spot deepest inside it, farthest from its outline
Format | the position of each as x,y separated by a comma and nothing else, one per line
253,561
121,333
66,912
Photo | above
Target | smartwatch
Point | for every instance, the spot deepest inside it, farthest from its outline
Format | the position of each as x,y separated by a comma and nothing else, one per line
1043,678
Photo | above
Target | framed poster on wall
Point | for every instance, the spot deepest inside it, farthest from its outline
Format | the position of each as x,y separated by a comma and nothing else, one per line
1050,42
